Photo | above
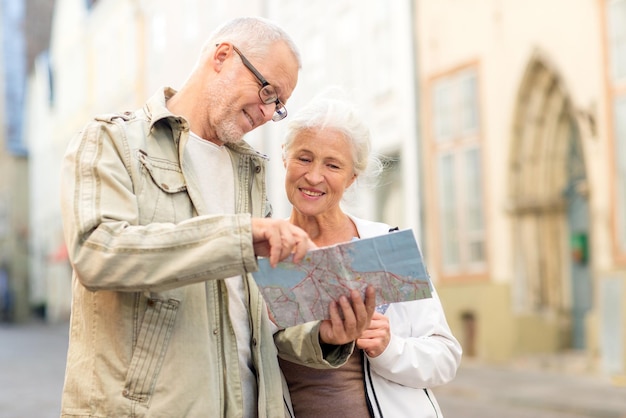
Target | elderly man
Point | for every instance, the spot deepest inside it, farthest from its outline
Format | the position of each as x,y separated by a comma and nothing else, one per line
165,210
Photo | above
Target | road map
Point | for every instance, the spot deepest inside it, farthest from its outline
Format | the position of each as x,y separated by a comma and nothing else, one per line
298,293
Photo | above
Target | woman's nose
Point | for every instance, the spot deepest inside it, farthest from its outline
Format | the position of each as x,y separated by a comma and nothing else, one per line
314,175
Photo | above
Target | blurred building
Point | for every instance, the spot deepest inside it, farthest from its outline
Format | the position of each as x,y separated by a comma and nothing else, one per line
24,33
498,118
523,110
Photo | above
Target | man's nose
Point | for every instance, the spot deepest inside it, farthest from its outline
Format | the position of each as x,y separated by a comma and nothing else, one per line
268,110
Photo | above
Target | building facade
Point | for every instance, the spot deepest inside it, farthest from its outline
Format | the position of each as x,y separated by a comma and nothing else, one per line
522,134
20,40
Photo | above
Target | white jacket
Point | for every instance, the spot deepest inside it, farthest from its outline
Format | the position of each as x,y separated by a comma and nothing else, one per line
421,354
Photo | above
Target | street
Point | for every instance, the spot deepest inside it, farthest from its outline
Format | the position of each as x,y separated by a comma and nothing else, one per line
32,364
32,361
480,391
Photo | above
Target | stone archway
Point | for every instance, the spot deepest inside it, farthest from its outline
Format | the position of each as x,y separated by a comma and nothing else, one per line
544,129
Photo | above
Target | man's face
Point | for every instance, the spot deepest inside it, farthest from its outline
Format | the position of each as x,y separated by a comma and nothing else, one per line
237,108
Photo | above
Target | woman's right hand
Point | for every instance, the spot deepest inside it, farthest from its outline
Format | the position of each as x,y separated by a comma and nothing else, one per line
357,314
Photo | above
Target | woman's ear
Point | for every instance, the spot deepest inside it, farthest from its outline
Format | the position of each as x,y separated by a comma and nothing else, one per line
351,181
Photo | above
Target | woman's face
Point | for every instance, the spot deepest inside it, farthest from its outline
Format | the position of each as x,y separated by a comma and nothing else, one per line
319,168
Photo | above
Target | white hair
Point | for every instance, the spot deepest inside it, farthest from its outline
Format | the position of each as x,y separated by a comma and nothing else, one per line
253,35
330,109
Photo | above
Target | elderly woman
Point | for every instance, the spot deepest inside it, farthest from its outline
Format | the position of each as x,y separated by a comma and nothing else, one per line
405,351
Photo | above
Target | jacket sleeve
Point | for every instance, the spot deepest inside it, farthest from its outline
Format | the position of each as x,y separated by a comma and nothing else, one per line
300,344
422,352
109,249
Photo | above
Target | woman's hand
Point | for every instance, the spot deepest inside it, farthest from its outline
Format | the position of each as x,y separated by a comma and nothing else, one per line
376,337
356,318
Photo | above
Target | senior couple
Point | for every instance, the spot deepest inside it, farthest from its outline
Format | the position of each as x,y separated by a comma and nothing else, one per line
165,210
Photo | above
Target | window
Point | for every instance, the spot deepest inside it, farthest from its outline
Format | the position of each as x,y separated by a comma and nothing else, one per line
458,158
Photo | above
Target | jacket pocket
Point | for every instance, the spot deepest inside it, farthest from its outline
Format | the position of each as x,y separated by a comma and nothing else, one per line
162,192
152,342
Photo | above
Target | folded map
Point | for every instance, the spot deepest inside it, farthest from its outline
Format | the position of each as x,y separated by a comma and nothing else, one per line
298,293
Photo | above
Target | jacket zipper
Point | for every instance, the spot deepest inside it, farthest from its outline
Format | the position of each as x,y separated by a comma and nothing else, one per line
431,402
367,373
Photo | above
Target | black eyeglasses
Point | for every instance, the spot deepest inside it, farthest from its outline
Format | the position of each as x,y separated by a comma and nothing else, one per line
267,93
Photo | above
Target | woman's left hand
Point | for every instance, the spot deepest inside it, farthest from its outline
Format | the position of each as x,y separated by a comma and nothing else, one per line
376,338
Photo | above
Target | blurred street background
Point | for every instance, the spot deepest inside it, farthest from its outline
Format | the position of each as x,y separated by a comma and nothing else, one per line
502,124
32,361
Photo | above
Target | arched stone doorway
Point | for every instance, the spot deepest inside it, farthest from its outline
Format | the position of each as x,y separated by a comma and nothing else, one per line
549,210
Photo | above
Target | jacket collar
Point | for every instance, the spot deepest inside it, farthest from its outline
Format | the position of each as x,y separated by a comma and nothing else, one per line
156,108
367,228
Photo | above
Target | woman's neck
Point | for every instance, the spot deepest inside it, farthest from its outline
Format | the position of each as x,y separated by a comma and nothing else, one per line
327,229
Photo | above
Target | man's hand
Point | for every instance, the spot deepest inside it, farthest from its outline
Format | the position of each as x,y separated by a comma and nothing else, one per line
356,318
277,238
376,338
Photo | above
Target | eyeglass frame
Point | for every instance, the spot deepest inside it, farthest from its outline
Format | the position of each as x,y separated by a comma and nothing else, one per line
280,112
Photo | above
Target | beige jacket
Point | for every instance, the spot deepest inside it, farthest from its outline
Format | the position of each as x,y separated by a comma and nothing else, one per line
150,334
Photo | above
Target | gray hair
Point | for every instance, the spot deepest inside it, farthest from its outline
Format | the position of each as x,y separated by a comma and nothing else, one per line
253,35
331,110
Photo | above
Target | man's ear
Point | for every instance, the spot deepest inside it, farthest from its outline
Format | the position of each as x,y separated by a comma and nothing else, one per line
221,53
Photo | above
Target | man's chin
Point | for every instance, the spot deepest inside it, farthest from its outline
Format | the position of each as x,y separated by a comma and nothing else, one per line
232,136
233,139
